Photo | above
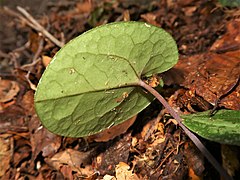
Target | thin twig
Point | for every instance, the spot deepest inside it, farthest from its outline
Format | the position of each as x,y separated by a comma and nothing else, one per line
4,55
31,64
30,21
40,28
192,136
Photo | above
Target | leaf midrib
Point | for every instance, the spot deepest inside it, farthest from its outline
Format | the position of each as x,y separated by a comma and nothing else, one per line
92,91
100,90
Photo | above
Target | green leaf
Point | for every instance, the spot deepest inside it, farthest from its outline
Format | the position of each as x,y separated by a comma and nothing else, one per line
230,3
223,127
90,84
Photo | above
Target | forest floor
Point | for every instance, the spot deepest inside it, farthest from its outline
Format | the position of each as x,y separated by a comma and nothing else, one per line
208,39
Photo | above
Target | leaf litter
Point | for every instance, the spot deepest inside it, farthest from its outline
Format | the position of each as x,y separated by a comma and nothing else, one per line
208,39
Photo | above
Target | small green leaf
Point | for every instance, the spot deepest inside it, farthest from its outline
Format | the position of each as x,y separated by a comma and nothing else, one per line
223,127
230,3
90,84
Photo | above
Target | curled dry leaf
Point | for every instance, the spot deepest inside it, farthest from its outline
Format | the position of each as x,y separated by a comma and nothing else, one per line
112,132
8,89
74,159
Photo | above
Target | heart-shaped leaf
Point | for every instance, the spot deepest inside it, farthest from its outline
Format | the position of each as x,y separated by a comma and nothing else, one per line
223,127
91,83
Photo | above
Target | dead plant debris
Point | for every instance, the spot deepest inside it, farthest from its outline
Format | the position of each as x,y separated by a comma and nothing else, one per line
206,77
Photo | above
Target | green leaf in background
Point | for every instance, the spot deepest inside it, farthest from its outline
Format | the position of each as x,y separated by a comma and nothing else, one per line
223,127
230,3
90,84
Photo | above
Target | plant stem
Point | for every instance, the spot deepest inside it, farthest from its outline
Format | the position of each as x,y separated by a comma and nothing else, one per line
192,136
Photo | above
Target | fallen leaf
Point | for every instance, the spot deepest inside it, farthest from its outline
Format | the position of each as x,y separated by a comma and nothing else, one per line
112,132
215,78
6,152
67,172
192,175
42,140
79,162
46,60
150,18
212,76
22,152
84,7
27,102
189,11
123,172
8,90
231,40
126,15
108,177
13,118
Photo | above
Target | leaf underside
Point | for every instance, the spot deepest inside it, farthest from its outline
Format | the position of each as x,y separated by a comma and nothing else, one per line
223,127
90,84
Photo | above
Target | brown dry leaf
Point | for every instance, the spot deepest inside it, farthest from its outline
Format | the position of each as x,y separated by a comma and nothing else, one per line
185,100
185,2
6,152
112,132
192,175
123,172
215,78
73,159
231,40
189,11
42,140
108,177
150,18
211,76
28,102
8,90
34,39
84,7
67,172
13,118
126,15
46,60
